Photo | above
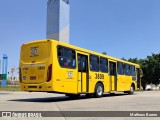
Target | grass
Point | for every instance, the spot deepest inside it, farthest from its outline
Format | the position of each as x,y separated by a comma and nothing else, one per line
10,88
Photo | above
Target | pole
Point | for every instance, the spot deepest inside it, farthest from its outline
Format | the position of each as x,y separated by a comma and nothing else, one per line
58,20
4,70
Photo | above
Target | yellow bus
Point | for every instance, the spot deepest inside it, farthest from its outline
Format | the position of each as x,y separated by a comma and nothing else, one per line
53,66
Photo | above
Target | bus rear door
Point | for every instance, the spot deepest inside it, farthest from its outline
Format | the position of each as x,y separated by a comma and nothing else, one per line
113,76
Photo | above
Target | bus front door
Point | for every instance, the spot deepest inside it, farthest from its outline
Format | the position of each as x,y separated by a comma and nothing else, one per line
83,74
113,76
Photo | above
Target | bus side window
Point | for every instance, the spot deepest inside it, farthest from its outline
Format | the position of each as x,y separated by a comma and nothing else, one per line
103,65
132,70
66,57
120,68
65,63
94,63
60,54
126,69
61,61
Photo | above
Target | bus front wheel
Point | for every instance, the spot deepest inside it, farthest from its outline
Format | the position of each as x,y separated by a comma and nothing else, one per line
98,90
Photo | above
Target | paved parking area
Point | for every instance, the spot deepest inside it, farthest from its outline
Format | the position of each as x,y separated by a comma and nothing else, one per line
25,101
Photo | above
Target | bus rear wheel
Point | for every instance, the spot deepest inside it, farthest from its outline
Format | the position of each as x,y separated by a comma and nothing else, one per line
98,90
131,90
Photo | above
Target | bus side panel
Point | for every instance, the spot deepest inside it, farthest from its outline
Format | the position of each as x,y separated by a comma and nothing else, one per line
95,77
92,81
57,83
65,79
127,82
63,82
106,83
69,80
120,83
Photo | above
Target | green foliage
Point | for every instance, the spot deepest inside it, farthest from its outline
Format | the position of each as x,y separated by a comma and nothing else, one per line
123,59
104,53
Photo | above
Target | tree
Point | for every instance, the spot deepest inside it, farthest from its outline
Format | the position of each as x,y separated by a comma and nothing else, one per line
123,59
134,60
104,53
151,68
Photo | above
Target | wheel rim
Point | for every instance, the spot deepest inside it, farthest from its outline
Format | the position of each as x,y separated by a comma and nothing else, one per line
99,90
132,89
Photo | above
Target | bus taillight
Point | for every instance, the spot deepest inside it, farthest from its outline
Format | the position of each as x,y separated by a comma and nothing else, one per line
20,75
49,73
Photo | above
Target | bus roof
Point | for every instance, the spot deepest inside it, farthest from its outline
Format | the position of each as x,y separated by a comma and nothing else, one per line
84,50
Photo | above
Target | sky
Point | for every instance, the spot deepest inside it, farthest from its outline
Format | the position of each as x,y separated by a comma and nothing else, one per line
121,28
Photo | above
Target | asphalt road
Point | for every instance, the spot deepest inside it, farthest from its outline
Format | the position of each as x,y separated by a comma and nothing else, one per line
25,101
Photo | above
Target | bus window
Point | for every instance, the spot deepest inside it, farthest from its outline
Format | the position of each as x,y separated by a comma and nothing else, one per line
126,69
94,63
132,70
120,68
112,68
82,66
66,57
103,65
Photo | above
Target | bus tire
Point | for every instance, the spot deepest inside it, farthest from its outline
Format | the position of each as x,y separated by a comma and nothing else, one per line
98,92
131,90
